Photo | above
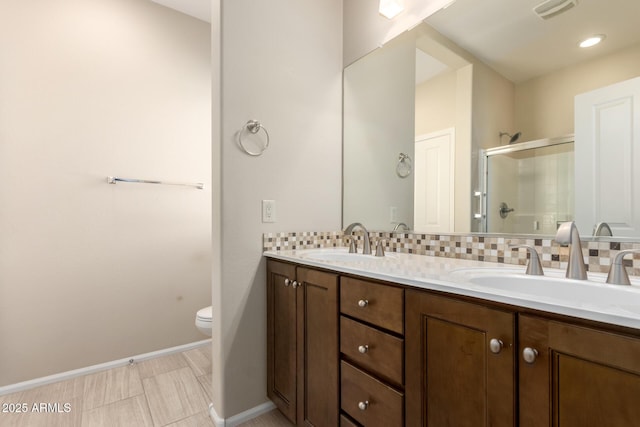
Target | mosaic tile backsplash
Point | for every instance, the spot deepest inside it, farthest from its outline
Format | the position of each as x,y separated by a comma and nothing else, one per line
472,247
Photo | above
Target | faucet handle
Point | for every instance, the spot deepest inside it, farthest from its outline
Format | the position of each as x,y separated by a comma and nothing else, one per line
568,235
617,273
380,247
366,244
353,246
534,267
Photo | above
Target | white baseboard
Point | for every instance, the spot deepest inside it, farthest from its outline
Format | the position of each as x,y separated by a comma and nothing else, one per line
25,385
217,419
242,417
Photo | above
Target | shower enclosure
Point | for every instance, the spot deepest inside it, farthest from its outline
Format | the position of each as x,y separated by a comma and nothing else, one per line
528,188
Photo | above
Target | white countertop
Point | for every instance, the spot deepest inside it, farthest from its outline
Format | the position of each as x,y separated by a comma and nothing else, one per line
448,275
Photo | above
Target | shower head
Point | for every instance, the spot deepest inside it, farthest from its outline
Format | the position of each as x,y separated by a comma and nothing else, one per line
513,137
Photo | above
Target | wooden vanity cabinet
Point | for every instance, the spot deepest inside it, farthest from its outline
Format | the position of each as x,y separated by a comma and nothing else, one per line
460,363
302,344
575,376
353,352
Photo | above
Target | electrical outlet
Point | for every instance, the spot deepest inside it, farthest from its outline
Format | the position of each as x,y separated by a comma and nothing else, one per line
268,211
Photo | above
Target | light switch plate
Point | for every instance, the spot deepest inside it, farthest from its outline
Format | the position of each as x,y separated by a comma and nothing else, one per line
268,211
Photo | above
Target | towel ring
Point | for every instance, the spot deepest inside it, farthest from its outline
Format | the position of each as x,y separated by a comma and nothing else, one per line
404,166
253,127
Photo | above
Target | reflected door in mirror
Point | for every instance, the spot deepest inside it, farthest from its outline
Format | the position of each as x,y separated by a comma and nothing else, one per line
607,123
433,187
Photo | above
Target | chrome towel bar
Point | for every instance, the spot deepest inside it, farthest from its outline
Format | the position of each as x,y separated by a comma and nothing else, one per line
114,179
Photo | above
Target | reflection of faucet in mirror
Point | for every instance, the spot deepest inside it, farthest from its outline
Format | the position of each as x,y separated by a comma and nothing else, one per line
513,138
568,235
602,229
366,247
401,224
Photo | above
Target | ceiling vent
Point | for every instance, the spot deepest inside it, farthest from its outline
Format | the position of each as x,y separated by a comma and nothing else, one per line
551,8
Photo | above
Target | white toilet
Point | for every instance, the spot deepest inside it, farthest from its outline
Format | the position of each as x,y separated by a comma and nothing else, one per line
203,320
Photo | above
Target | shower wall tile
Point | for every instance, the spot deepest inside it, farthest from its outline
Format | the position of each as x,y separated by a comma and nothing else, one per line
473,247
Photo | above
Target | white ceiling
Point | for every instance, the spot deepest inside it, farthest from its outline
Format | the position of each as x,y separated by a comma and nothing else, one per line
508,36
200,9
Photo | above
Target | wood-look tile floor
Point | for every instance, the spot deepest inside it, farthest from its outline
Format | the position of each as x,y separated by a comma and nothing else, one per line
172,391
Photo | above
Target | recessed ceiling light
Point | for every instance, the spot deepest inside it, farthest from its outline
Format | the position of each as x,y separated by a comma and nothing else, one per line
592,41
390,8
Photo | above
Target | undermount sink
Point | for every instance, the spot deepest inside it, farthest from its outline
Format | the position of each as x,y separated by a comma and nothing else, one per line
553,286
342,255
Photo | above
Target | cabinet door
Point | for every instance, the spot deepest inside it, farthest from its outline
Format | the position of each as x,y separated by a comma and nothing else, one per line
455,377
579,377
281,337
318,353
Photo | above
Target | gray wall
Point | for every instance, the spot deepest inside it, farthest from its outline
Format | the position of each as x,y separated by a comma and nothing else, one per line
281,63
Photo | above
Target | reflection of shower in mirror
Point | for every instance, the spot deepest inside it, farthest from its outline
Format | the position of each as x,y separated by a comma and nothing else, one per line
534,177
513,138
505,210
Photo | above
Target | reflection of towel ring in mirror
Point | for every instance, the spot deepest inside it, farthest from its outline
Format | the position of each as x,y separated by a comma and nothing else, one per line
253,127
404,166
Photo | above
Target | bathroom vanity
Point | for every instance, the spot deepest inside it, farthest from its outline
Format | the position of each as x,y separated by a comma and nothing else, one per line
411,340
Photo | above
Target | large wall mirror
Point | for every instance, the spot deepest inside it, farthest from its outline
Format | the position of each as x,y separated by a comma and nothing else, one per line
420,112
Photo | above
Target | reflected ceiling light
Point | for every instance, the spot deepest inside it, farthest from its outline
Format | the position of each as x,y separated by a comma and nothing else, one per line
390,8
592,41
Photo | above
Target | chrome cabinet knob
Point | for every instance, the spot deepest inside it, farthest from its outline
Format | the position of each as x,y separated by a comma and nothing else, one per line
529,354
495,345
363,405
363,303
295,284
363,349
287,282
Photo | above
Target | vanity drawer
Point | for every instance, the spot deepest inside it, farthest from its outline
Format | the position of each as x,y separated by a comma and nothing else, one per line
346,422
372,349
369,401
378,304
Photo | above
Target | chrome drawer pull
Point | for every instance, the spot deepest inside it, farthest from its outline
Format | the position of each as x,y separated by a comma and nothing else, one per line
363,349
363,405
363,303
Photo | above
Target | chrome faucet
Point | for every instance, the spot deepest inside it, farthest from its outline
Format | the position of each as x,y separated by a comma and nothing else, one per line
617,273
534,267
366,246
568,235
401,224
602,229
